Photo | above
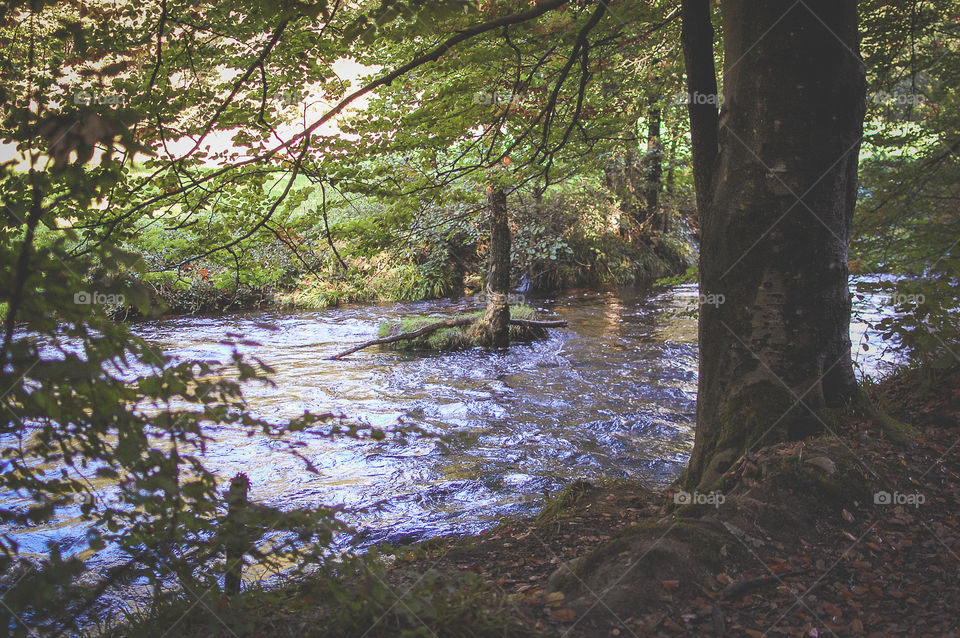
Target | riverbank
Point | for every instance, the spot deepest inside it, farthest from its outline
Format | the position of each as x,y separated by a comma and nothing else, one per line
855,535
605,260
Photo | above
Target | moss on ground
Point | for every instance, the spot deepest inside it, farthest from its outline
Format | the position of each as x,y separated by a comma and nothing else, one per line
566,500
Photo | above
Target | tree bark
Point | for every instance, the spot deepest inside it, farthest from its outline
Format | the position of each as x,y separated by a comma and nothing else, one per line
497,318
774,331
696,34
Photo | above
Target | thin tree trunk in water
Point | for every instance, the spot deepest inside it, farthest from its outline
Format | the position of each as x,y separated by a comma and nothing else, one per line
497,318
702,97
774,331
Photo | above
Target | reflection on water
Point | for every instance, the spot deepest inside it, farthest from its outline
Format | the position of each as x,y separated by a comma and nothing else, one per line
611,395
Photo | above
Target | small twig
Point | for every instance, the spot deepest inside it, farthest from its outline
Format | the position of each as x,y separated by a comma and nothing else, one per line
326,226
734,590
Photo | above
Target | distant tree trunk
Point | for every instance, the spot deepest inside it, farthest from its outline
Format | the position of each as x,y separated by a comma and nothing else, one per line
611,178
625,181
671,166
774,328
624,178
460,255
696,35
653,168
497,318
633,186
670,183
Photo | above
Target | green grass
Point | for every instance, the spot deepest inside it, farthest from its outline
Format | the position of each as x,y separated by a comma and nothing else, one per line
378,279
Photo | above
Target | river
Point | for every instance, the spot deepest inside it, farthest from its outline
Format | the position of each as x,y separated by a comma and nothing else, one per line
611,395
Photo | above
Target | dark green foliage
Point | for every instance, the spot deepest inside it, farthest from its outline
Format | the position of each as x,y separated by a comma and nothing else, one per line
907,220
568,239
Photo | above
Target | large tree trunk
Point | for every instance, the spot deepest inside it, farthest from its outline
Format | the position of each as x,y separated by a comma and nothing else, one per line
497,318
774,331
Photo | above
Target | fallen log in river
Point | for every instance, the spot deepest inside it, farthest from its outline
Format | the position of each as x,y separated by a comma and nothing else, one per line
450,323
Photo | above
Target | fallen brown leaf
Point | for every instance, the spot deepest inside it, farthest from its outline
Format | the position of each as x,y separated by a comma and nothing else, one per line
564,615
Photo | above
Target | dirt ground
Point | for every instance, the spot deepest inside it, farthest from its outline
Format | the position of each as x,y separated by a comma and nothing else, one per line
848,536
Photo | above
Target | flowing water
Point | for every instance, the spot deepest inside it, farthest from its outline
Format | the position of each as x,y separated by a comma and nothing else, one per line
613,394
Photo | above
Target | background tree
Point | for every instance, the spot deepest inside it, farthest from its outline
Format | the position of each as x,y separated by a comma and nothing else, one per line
497,318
